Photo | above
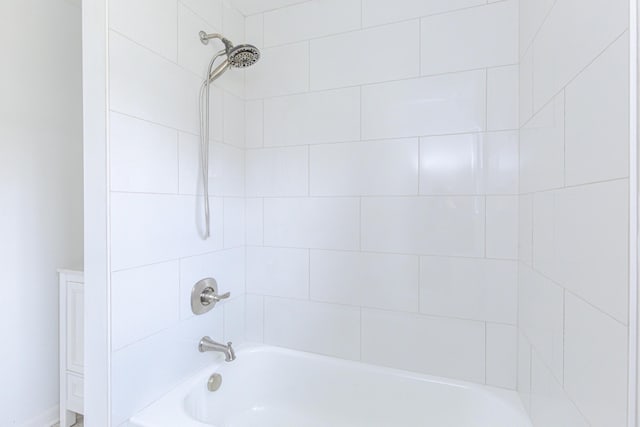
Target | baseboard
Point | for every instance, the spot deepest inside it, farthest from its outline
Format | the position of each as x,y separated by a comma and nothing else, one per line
48,418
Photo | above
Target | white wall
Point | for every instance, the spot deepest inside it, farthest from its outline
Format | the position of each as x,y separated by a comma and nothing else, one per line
381,182
156,252
40,193
573,225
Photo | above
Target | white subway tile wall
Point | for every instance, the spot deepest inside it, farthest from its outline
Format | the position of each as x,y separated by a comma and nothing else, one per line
382,183
156,64
573,212
448,175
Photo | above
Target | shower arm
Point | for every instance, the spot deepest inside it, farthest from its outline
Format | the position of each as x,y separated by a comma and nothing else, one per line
204,39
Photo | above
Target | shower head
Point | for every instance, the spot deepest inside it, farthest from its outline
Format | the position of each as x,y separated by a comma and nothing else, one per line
243,56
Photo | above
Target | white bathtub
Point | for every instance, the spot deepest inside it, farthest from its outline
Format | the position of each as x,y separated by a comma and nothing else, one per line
273,387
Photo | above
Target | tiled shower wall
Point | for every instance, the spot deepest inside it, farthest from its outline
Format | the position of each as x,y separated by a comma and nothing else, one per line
382,183
156,65
573,225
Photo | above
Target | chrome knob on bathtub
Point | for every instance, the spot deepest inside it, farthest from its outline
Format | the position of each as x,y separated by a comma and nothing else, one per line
214,382
204,295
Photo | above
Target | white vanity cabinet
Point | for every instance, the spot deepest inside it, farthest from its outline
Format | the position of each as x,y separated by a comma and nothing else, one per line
71,346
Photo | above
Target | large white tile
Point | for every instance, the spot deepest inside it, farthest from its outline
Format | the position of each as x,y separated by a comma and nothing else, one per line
424,225
501,162
216,114
254,123
355,58
310,20
376,12
365,279
595,374
525,229
144,156
226,171
254,322
502,355
227,267
541,317
524,371
130,290
542,149
321,223
234,120
477,289
319,328
254,30
451,164
168,95
278,272
525,111
209,10
251,7
453,103
151,23
280,71
502,98
592,244
191,225
597,119
469,164
226,168
544,223
532,15
235,320
233,25
550,405
473,38
277,172
312,118
144,229
438,346
566,42
234,222
254,222
502,227
387,167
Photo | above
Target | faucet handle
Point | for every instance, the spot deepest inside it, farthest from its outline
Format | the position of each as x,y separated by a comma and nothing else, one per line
204,296
209,296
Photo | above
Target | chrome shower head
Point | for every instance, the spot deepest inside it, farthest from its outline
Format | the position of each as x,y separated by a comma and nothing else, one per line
243,56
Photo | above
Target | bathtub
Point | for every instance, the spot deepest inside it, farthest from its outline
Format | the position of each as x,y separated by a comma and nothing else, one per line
274,387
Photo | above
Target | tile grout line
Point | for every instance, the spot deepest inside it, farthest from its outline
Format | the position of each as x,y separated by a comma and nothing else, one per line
564,333
361,332
410,314
380,82
485,352
564,137
360,224
406,254
486,99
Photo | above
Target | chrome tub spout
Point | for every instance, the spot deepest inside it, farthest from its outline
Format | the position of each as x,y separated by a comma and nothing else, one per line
207,344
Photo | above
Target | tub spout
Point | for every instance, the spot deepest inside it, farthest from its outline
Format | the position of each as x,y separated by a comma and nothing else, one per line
207,344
